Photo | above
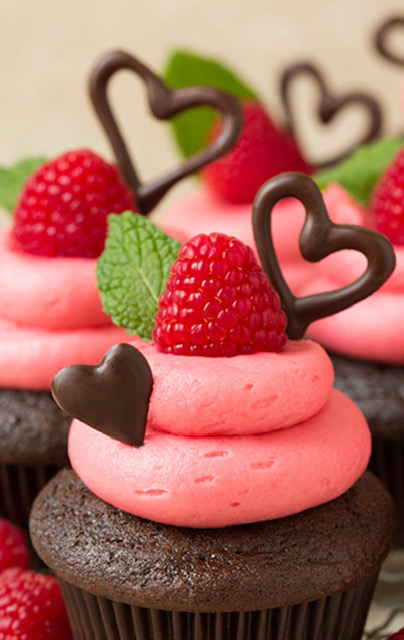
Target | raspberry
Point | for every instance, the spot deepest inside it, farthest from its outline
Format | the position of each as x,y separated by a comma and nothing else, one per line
397,636
13,546
262,151
218,302
63,208
31,607
387,202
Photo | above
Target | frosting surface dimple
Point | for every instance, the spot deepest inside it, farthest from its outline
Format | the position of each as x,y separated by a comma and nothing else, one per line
225,480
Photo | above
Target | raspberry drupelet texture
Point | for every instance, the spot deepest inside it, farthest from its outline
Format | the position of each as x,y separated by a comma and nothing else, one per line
218,302
388,201
63,208
13,546
31,607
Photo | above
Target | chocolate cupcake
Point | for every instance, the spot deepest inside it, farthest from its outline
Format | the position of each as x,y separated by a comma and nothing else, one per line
51,313
366,342
217,488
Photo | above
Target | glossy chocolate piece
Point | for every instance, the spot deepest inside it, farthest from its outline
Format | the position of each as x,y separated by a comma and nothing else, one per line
112,397
164,103
329,106
382,40
319,238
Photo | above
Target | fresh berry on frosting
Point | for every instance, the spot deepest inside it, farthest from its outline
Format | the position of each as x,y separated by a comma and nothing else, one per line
31,606
387,203
13,546
399,635
218,302
63,208
262,151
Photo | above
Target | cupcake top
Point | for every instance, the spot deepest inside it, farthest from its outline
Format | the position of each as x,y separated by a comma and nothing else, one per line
238,416
371,182
51,313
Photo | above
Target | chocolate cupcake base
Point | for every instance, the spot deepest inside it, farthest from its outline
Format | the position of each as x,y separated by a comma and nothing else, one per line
33,434
340,617
308,577
378,390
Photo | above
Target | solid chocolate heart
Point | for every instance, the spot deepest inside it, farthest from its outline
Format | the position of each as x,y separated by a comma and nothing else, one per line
330,105
112,397
164,104
383,36
319,238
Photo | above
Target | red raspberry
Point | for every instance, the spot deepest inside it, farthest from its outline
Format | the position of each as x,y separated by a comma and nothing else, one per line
31,607
387,202
63,208
218,302
397,636
262,151
13,546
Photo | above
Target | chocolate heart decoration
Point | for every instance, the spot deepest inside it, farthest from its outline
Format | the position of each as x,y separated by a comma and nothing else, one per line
164,104
319,238
329,107
112,397
382,40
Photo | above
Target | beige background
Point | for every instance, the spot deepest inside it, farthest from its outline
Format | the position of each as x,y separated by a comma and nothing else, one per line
48,46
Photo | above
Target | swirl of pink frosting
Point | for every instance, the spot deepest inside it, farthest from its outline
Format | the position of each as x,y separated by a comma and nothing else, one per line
218,481
192,395
201,212
51,293
50,316
371,329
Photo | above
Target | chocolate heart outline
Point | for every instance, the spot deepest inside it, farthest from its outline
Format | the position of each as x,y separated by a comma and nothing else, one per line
318,238
164,104
329,106
382,40
112,397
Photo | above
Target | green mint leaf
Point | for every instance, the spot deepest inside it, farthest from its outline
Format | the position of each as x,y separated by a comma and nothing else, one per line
12,180
359,173
185,69
133,270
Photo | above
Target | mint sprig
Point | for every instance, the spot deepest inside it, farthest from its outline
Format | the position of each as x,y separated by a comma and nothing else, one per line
12,180
185,69
359,173
133,270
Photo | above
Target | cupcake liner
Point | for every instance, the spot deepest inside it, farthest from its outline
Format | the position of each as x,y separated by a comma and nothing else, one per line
387,463
341,616
19,486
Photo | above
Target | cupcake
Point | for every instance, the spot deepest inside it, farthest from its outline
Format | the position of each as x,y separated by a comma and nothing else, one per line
223,198
50,308
217,487
365,342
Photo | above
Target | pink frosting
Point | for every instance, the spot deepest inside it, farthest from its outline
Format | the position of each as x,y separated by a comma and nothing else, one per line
51,293
200,396
203,213
371,329
225,480
50,316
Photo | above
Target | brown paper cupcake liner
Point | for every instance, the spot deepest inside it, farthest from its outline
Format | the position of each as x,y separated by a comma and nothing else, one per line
19,486
341,616
387,463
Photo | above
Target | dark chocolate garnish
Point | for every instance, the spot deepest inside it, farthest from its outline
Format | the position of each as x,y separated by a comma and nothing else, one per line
112,397
382,37
329,106
319,238
164,104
